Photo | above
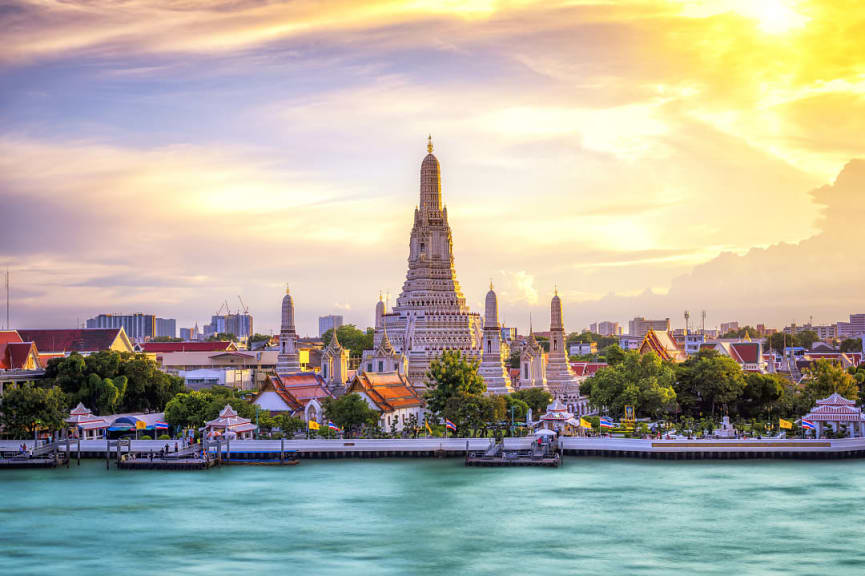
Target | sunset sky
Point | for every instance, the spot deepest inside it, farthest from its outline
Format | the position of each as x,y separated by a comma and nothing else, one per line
645,156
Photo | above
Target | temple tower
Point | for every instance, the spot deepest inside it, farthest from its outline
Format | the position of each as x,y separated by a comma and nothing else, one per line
288,359
334,363
533,363
431,314
496,353
561,380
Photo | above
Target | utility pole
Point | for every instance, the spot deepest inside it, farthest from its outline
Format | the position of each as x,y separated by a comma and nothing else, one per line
8,325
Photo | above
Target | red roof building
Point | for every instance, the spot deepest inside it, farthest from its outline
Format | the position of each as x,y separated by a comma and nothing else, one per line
209,346
391,394
15,354
300,394
81,340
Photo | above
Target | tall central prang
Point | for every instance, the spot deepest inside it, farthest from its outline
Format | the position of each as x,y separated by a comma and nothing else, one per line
431,315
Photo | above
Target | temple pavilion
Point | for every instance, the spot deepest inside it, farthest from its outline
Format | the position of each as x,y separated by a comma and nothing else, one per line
558,418
231,425
83,424
836,411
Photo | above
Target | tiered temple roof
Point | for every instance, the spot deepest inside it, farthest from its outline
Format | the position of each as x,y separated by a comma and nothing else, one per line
229,421
388,390
835,408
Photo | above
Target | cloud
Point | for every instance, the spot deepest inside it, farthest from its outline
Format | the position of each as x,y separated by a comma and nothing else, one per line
821,276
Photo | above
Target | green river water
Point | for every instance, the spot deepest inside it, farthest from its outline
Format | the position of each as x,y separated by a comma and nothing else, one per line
426,516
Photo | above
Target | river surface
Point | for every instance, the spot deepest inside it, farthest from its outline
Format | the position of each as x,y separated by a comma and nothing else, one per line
427,516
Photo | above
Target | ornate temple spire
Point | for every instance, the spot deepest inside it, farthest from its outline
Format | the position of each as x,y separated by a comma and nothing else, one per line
491,312
430,182
334,341
287,311
556,322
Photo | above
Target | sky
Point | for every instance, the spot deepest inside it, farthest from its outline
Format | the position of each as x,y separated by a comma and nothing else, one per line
645,157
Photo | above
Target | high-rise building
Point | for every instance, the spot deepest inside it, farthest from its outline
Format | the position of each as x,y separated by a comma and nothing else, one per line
139,327
166,328
606,328
639,326
329,322
431,314
855,328
238,324
729,327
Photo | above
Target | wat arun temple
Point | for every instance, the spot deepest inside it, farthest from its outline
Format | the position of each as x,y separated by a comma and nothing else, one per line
431,316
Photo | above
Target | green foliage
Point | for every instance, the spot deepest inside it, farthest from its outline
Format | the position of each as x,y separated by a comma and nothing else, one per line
613,354
258,338
351,337
193,409
222,337
28,407
164,437
764,394
514,361
778,340
587,337
472,413
706,381
288,424
851,345
748,331
145,437
520,407
535,398
451,376
166,339
824,377
642,381
109,381
350,412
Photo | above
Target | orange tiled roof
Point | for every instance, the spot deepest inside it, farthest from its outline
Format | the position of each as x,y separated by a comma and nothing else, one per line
7,337
388,390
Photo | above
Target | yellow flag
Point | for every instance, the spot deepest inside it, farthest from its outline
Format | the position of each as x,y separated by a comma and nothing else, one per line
428,429
785,424
140,425
313,425
585,423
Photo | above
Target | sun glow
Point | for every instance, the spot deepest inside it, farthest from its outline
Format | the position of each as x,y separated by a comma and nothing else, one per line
776,16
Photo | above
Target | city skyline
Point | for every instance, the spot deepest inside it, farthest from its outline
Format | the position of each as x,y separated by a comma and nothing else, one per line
235,148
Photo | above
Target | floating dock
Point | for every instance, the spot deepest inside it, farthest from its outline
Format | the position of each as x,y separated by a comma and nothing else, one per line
514,452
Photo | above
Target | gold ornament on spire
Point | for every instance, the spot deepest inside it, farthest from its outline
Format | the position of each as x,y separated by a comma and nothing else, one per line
287,291
491,283
429,146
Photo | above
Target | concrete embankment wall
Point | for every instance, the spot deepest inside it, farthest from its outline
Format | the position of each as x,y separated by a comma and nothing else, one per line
456,447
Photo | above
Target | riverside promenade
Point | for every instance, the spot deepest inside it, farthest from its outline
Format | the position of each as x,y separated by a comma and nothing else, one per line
679,449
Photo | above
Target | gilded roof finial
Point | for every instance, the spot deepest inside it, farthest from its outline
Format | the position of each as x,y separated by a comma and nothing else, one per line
287,291
556,289
429,146
379,296
491,283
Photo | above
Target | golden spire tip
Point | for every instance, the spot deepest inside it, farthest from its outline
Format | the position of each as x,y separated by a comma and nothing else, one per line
429,146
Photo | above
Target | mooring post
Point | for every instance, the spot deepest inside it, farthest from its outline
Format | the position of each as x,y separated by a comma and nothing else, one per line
227,450
68,451
79,450
282,450
107,452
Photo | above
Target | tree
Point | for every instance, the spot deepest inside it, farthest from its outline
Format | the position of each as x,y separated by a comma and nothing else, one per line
707,380
193,409
806,338
514,361
350,412
824,377
851,345
166,339
520,407
351,337
27,408
642,381
258,338
761,396
451,376
109,381
535,398
588,337
222,337
613,354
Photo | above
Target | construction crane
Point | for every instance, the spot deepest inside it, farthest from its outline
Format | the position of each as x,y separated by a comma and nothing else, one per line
243,306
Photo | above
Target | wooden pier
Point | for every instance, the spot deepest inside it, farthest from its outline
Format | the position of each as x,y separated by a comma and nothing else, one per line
48,455
502,454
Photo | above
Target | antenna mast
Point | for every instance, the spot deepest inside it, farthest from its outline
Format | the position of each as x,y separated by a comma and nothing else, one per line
8,325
